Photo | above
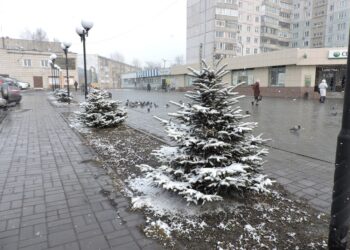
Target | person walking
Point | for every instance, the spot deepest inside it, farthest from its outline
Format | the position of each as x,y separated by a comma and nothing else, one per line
256,90
76,86
323,90
148,87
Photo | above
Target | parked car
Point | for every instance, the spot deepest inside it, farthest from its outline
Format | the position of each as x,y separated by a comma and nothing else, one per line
11,92
23,85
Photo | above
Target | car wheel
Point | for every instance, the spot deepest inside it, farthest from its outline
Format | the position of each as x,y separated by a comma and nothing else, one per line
4,92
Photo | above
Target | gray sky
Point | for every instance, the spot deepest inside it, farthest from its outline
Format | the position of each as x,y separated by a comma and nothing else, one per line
149,30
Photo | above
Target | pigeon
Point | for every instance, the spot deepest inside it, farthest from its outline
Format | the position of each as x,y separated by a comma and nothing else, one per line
127,103
148,110
294,129
247,112
334,113
167,105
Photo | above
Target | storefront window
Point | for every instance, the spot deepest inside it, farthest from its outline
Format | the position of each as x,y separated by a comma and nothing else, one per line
240,76
277,76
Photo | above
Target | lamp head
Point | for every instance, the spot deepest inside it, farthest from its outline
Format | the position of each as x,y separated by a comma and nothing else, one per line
80,31
53,57
87,25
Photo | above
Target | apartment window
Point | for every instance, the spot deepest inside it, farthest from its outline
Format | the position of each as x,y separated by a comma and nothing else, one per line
247,51
257,8
341,26
219,34
231,24
306,33
307,24
256,40
249,17
248,39
255,51
219,23
256,29
44,63
228,46
27,62
277,76
226,12
256,19
248,28
306,43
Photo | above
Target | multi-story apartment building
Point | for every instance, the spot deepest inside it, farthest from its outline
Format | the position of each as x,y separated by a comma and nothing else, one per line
243,27
28,61
236,27
103,72
320,23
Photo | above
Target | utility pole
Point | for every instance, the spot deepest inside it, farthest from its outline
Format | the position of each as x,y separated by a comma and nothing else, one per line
340,212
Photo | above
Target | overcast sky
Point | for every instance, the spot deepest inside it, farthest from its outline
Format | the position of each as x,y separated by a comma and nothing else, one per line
150,30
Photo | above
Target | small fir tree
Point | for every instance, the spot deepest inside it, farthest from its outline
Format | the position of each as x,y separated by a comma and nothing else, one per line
100,111
62,95
215,152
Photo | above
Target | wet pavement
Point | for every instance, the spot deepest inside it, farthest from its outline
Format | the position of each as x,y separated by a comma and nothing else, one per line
50,196
303,162
51,189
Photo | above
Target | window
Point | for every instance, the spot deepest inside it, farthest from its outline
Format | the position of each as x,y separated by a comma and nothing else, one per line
256,40
247,51
219,34
256,19
256,29
27,62
226,12
44,63
248,39
248,28
277,76
219,23
255,51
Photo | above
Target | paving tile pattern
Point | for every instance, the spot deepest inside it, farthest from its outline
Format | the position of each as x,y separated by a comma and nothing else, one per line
50,189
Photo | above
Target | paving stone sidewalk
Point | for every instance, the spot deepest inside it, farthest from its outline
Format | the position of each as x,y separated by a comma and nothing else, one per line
50,189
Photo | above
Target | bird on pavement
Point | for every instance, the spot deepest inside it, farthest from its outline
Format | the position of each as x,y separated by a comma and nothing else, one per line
294,129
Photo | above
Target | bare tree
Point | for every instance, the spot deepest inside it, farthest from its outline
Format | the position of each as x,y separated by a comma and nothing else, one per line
38,35
136,63
153,65
117,56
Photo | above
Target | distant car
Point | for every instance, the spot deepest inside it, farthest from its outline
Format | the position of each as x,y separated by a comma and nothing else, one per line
23,85
11,92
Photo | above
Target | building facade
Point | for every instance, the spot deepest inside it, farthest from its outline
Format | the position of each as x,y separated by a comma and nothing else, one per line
28,61
102,72
291,72
320,23
232,28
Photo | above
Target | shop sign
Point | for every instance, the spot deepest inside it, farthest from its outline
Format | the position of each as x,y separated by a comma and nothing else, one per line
338,54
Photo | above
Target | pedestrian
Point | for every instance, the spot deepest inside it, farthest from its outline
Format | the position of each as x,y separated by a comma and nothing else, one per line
148,87
256,91
323,90
331,85
343,83
76,86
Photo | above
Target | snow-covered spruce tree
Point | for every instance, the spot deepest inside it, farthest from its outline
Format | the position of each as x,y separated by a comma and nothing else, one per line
215,152
62,95
100,111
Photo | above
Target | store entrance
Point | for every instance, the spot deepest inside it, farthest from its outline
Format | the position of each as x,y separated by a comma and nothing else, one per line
335,76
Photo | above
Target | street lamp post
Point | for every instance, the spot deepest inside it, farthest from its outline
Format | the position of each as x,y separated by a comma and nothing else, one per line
83,33
53,59
340,211
65,46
